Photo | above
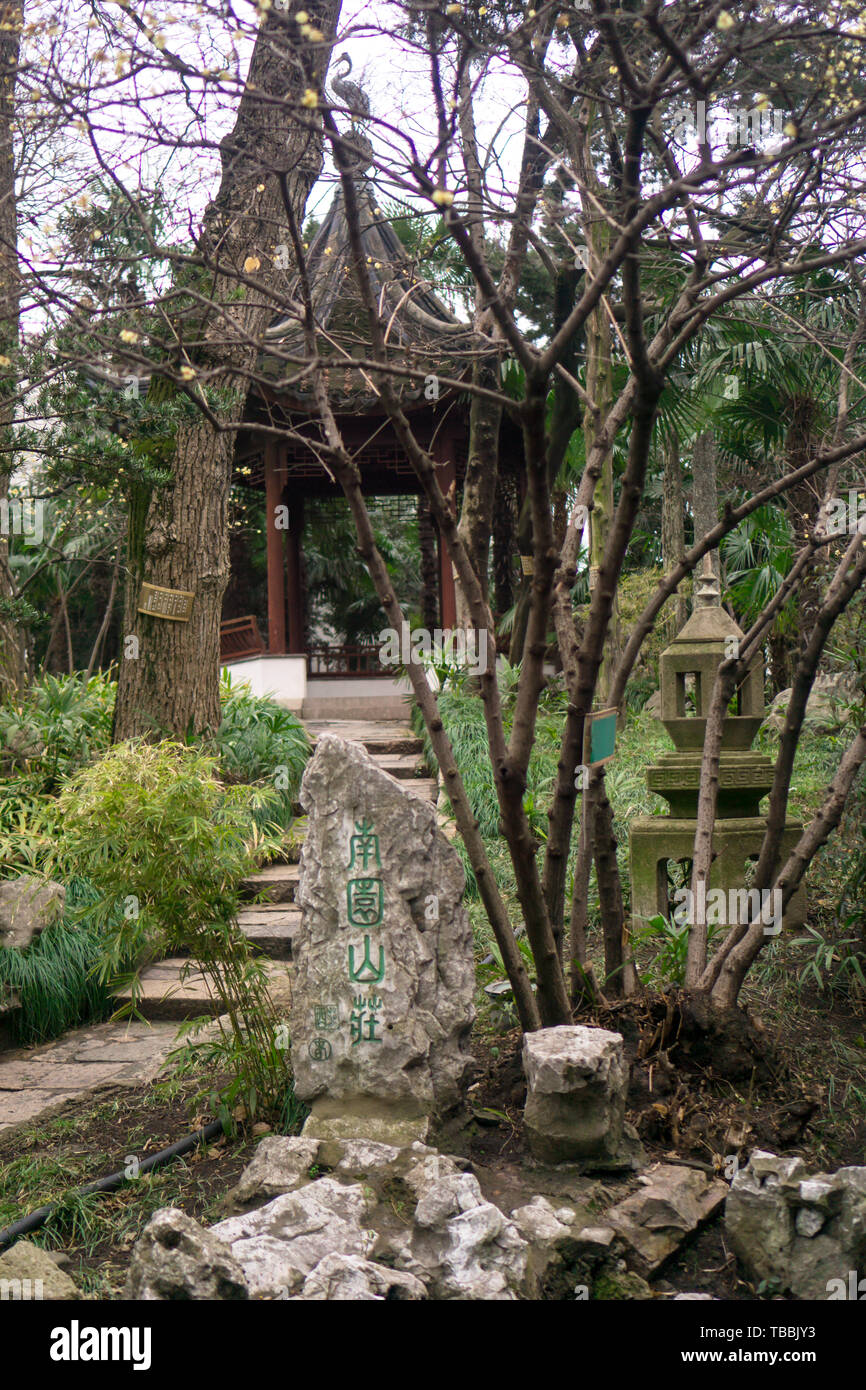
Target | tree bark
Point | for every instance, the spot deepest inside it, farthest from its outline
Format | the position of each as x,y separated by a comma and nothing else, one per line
504,544
429,567
673,533
479,486
599,386
12,664
619,972
803,505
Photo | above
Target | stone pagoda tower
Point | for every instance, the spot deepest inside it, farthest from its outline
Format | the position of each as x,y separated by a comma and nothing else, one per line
687,673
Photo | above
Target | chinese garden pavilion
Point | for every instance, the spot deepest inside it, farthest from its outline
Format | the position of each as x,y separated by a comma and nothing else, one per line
422,336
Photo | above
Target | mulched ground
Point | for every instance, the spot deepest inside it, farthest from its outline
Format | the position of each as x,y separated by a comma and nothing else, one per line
778,1096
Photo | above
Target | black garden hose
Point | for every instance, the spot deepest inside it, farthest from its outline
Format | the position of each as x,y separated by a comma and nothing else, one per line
38,1217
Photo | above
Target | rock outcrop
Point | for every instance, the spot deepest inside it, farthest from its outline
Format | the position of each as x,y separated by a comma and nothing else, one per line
177,1259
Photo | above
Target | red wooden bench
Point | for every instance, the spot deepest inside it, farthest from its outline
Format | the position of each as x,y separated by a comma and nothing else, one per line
240,637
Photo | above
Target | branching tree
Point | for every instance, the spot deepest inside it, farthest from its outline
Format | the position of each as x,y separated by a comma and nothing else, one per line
566,141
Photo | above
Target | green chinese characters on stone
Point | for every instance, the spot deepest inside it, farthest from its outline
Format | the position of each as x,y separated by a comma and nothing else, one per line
367,972
364,1019
364,846
325,1017
364,902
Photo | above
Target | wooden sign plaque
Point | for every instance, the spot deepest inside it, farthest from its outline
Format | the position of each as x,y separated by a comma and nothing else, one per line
174,604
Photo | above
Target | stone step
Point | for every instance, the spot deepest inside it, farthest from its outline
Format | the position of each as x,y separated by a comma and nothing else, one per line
401,765
425,787
352,708
270,927
277,883
166,996
385,736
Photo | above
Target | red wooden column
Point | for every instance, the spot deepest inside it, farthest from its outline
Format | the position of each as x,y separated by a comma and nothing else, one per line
274,482
446,475
294,536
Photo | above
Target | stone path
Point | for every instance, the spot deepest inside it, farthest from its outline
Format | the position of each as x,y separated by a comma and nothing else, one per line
39,1079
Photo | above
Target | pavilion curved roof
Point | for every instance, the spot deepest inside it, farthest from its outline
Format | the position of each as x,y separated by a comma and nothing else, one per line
422,336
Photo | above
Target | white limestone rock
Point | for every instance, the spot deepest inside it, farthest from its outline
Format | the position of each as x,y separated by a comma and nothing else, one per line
177,1259
576,1089
347,1278
279,1244
804,1232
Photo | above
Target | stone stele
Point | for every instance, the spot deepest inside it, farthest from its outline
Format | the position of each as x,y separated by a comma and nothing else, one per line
382,1002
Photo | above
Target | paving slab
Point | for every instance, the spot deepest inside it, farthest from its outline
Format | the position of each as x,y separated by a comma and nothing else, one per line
17,1107
121,1053
47,1075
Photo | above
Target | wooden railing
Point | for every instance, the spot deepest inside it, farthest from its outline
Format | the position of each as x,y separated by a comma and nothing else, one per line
344,661
240,637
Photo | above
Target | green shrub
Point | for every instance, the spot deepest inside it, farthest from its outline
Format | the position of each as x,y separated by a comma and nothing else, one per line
166,844
60,723
57,726
261,743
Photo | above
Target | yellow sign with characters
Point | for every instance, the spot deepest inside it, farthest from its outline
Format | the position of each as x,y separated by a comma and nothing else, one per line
174,604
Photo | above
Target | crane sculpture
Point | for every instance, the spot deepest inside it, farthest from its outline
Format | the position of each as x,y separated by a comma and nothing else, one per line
353,97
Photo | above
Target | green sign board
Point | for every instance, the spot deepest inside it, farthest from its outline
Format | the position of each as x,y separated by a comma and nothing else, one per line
602,734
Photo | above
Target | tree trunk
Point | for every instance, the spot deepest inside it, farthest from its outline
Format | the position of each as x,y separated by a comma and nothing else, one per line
803,505
705,490
429,566
479,486
619,972
169,680
504,544
780,662
599,386
12,666
673,534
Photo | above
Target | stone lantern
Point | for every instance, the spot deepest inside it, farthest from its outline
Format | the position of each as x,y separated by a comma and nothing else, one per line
688,670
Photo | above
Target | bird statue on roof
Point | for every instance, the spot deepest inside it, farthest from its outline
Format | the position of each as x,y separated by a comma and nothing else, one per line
353,97
351,94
